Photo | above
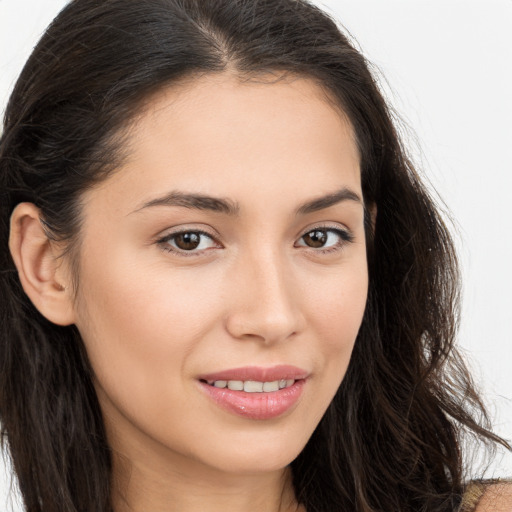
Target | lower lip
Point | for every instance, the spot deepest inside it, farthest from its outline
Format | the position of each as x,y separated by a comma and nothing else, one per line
256,406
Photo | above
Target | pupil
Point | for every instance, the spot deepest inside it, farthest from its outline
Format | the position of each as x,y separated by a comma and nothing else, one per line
187,241
316,238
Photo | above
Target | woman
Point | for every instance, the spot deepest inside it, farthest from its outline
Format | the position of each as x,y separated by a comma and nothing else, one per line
224,285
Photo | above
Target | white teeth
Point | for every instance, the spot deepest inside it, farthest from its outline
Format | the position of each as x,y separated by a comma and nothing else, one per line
252,386
235,385
271,386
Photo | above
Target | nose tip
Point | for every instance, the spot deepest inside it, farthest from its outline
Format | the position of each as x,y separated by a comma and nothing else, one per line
269,328
265,307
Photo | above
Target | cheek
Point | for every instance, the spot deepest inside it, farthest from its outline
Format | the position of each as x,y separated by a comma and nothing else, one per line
339,318
139,322
134,299
337,305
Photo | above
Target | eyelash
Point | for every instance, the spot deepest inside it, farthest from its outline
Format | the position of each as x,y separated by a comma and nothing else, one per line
344,235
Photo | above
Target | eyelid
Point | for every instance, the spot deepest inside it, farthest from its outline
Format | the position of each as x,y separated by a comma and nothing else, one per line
328,227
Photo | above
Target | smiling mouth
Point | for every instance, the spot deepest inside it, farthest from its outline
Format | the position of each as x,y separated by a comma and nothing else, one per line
255,400
256,393
251,386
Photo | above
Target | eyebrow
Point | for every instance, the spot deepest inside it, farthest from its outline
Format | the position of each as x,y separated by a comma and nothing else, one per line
196,202
232,208
323,202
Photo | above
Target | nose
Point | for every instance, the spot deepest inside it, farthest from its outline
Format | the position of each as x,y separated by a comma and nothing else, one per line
265,305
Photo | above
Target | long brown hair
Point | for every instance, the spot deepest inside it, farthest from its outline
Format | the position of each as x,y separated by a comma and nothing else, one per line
391,438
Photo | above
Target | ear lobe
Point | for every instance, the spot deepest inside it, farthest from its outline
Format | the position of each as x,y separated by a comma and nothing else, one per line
40,270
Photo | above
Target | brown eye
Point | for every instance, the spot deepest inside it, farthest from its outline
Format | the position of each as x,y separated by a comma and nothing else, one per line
326,239
316,238
187,241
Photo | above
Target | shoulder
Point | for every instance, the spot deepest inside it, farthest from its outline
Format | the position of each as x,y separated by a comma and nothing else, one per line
488,496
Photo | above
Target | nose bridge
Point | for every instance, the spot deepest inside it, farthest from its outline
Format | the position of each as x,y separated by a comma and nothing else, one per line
264,303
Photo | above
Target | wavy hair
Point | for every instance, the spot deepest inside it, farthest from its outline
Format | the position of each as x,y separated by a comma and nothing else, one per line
391,438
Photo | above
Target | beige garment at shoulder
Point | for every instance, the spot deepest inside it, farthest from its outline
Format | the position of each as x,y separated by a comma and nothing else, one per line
498,496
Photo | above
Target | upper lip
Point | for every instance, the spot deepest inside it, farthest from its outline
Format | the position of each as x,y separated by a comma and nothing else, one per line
256,373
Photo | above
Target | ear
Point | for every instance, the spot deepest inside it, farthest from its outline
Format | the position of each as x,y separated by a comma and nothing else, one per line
41,272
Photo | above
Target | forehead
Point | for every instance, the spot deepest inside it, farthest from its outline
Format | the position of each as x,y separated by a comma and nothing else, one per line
218,133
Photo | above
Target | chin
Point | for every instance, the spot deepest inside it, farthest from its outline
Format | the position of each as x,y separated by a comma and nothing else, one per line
267,454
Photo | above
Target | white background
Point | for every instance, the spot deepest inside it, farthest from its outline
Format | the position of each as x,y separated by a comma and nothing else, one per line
448,69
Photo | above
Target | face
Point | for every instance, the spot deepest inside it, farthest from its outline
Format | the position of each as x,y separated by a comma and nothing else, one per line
223,275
